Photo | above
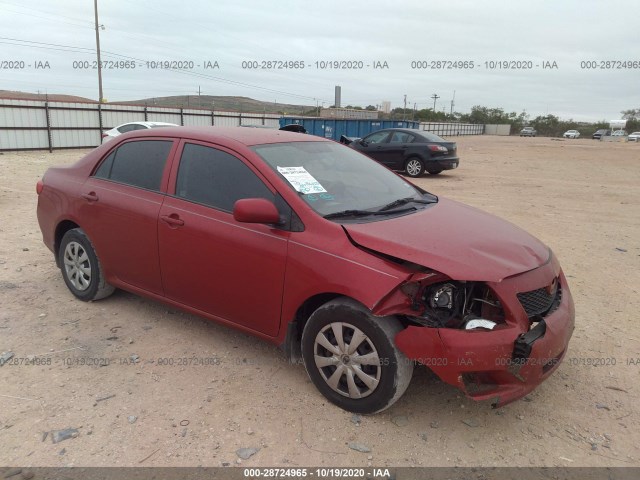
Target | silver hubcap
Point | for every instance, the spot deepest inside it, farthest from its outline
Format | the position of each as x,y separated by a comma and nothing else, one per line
347,360
413,167
77,266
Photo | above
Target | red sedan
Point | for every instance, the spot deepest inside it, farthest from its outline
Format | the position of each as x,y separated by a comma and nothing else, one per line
317,248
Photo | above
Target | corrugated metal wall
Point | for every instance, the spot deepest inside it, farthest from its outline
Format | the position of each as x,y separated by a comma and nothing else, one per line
500,129
445,129
32,125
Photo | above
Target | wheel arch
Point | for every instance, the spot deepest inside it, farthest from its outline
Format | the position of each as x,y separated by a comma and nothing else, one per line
417,155
63,227
295,327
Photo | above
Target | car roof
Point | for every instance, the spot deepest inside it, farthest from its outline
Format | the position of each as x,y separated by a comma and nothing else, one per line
144,122
160,123
244,136
414,131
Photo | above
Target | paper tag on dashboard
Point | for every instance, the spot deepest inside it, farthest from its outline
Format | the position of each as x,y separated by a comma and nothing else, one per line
301,180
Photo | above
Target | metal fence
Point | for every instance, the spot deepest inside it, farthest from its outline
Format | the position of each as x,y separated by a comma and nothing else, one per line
38,125
452,129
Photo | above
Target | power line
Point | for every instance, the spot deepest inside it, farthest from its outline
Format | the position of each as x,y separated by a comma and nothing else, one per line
83,24
71,48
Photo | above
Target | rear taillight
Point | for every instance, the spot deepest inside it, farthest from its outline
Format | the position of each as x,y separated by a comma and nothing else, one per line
39,187
438,148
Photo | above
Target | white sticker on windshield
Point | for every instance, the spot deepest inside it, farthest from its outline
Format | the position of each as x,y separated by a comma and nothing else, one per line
301,180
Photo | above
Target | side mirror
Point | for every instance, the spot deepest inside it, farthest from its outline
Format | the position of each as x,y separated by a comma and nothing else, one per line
256,210
363,143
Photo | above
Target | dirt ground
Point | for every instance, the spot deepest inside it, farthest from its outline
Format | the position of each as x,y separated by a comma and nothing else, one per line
581,197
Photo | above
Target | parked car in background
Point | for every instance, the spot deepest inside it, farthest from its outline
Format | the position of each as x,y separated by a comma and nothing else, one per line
619,133
316,248
571,134
408,150
130,127
603,132
294,127
528,132
634,137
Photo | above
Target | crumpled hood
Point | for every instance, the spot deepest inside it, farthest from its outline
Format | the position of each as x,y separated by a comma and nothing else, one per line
460,241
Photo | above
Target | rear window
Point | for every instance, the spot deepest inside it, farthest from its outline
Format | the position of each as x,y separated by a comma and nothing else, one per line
431,137
139,164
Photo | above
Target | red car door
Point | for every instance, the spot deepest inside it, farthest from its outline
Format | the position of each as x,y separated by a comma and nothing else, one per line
119,207
208,260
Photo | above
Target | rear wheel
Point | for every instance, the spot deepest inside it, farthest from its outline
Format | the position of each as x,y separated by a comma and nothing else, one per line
351,357
414,167
81,268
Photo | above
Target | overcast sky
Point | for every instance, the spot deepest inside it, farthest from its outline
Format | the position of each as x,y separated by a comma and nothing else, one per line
567,32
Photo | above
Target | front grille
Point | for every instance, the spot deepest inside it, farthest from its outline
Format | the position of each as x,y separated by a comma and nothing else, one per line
541,301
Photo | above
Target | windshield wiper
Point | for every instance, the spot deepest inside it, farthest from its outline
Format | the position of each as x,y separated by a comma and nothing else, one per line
403,201
362,213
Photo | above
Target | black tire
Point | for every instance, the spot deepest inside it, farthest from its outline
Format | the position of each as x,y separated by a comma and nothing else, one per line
414,167
378,380
81,268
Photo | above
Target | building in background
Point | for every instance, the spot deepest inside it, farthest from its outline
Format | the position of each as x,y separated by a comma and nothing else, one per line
386,106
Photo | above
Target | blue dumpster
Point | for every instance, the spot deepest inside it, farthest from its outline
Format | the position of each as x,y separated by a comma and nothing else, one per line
335,128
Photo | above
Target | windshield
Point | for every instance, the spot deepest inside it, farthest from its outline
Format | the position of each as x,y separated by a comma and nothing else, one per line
333,178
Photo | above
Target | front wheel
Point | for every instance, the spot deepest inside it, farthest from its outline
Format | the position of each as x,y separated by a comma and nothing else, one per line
81,268
351,357
414,167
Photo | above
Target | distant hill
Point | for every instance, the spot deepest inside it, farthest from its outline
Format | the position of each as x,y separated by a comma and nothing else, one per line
230,104
52,97
233,104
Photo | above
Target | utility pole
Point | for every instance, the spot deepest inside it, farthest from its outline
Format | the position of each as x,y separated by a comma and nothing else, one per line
453,100
414,112
199,91
95,8
435,97
404,110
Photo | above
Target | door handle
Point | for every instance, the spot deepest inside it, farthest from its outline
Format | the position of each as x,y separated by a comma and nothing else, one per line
91,196
174,220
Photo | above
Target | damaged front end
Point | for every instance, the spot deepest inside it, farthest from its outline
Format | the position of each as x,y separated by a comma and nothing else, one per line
494,340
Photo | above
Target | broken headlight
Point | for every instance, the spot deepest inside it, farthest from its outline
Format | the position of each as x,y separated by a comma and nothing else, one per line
443,302
468,305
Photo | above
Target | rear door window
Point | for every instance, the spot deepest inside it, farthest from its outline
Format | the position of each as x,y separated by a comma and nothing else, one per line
401,137
139,164
127,128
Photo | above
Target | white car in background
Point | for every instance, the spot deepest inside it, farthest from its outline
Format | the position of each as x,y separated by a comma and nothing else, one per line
619,133
571,134
634,137
130,127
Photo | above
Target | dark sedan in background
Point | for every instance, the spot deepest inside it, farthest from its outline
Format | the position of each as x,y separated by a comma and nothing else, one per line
411,151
